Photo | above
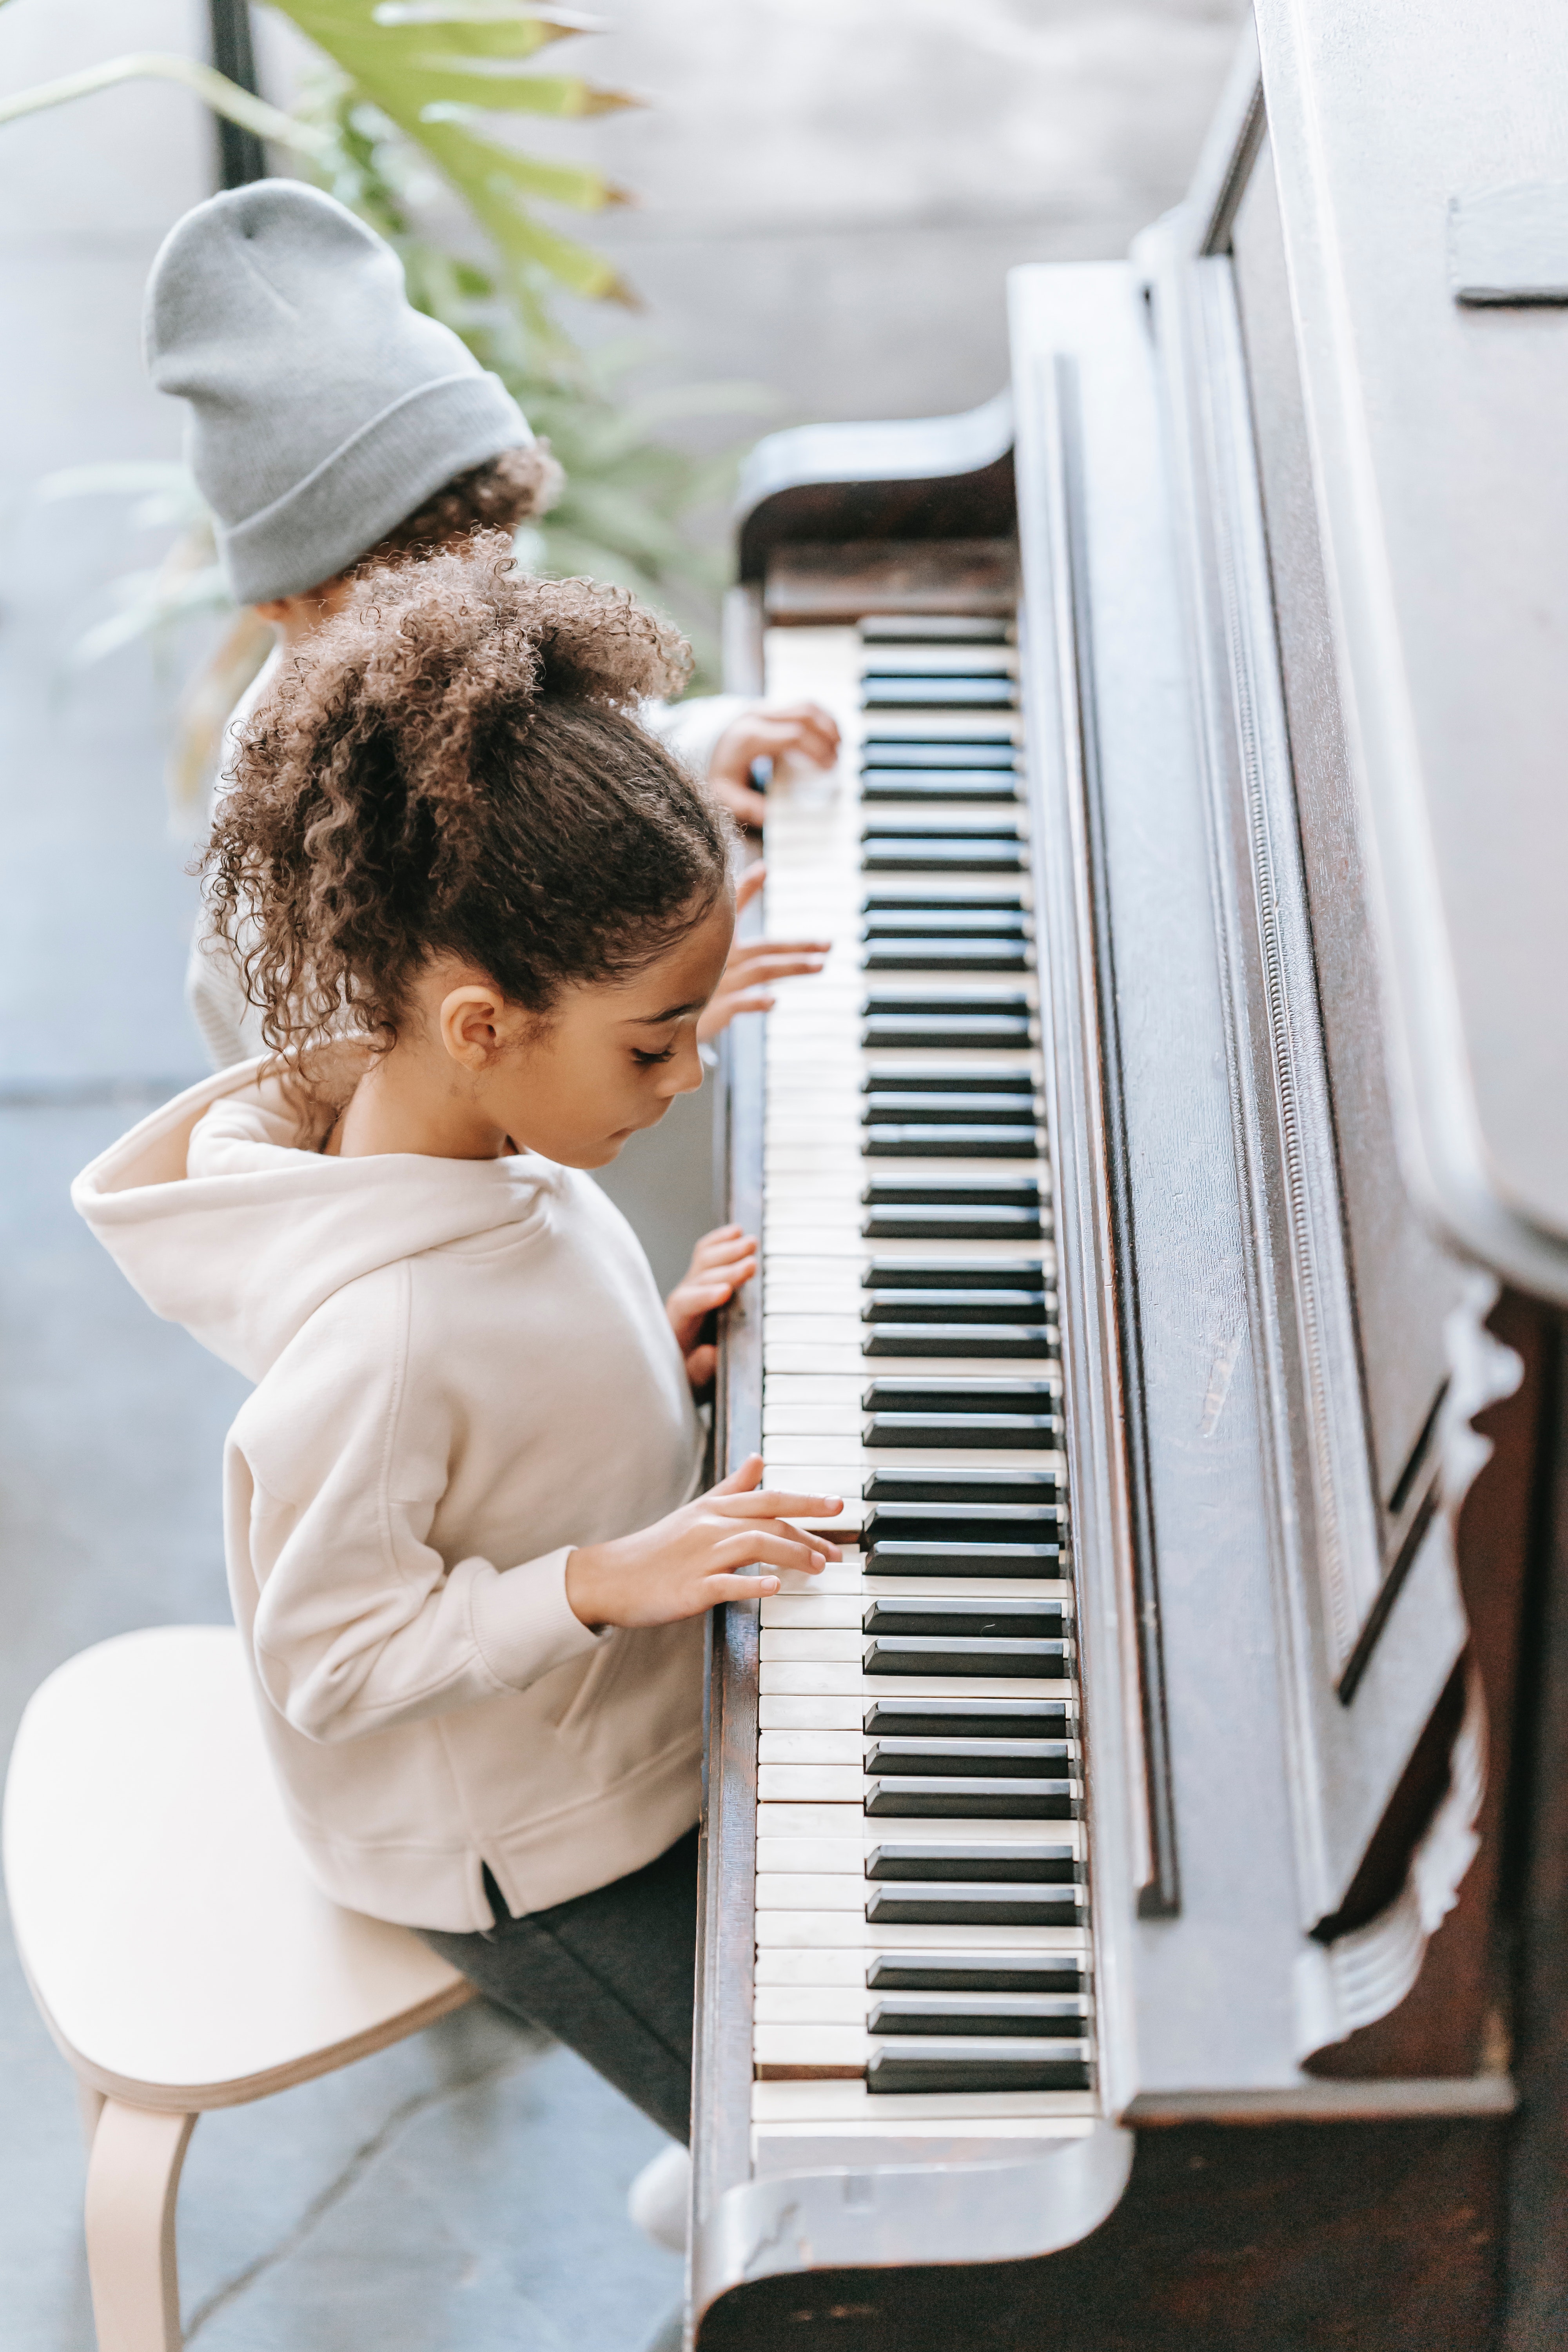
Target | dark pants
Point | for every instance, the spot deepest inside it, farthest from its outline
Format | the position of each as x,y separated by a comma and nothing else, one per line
611,1974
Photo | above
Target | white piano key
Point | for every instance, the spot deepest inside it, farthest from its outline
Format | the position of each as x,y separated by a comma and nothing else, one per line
813,1784
837,1678
825,2101
847,1577
834,1993
842,1261
824,1464
848,1930
932,660
841,1835
802,1609
817,1748
810,1645
811,1891
798,2051
788,1357
849,2004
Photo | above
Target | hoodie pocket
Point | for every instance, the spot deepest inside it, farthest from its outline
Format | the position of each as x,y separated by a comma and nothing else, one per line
642,1693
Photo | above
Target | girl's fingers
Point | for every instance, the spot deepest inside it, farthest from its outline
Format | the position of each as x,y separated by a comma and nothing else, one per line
739,1588
740,801
742,1480
747,1551
774,957
751,880
700,1366
773,1503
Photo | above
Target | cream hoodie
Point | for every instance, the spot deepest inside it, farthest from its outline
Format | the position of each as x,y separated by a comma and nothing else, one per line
463,1369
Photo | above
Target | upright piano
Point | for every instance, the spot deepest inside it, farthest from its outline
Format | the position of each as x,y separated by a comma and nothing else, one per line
1135,1881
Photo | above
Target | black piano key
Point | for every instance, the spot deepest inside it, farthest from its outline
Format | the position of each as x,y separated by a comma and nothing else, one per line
959,1395
907,1003
954,1305
912,1902
971,1717
970,853
981,1520
926,898
933,1483
936,1222
979,1431
897,1105
998,2065
967,785
1036,2014
950,1860
961,1034
953,1653
947,955
935,628
1046,1559
922,1191
939,1797
947,691
1038,1972
1016,1759
954,1273
997,1342
1017,1618
886,1141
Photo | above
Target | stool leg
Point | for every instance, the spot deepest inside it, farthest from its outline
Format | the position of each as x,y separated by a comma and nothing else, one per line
88,2107
132,2180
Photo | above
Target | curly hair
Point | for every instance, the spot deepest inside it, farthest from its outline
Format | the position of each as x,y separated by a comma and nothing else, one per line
495,495
453,764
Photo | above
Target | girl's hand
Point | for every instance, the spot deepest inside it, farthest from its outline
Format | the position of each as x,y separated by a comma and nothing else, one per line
700,1555
745,982
721,1263
801,729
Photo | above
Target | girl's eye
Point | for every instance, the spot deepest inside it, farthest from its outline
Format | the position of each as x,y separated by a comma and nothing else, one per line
651,1061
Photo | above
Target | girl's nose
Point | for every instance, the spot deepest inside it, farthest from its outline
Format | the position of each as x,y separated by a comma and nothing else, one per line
683,1074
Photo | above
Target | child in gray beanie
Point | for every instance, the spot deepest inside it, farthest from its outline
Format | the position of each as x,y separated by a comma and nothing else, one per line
333,425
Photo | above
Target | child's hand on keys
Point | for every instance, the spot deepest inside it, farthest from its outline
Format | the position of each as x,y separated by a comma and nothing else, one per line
721,1263
720,1547
798,729
745,984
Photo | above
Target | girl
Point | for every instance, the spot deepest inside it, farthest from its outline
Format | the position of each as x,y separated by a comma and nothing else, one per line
462,1545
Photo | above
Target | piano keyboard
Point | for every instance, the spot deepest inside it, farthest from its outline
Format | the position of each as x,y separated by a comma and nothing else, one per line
921,1902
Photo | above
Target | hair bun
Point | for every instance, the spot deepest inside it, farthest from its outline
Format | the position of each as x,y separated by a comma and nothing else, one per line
470,609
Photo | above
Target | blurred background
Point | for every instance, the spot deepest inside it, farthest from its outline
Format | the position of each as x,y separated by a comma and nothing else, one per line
829,195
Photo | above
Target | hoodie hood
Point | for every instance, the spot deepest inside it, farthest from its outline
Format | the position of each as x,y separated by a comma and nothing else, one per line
221,1212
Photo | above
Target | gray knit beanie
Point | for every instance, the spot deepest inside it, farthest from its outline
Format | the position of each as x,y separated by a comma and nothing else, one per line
324,409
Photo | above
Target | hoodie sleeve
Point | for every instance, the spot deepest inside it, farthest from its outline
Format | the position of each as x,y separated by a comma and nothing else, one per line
334,1475
691,730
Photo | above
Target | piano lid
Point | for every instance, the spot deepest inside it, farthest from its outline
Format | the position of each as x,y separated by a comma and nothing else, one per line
1437,424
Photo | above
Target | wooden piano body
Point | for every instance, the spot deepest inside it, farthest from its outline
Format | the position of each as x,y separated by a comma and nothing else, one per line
1280,508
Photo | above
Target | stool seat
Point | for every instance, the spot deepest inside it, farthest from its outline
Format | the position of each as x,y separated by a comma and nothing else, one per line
181,1956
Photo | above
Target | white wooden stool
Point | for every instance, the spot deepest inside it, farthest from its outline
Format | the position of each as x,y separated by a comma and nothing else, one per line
180,1955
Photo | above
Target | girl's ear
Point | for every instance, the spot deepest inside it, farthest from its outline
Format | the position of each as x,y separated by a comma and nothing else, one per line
475,1023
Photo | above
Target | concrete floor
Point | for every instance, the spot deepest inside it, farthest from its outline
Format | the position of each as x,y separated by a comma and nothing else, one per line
832,191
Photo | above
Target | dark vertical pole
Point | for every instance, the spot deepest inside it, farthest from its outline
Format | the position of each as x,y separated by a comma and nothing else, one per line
239,152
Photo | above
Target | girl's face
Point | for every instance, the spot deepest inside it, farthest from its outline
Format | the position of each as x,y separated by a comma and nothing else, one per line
612,1058
473,1077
